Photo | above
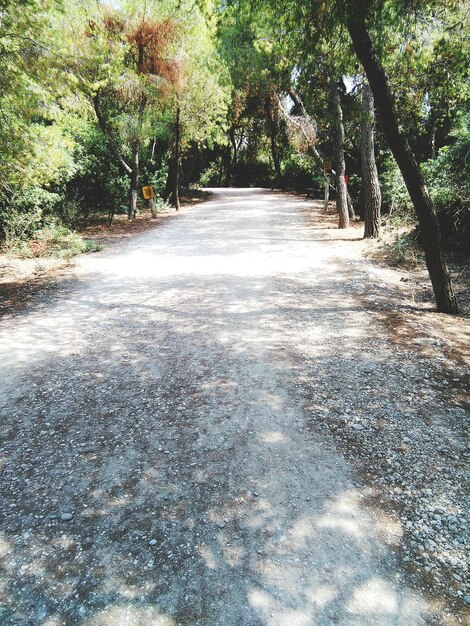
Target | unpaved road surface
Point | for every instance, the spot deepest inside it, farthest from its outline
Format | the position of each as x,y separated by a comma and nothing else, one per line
168,450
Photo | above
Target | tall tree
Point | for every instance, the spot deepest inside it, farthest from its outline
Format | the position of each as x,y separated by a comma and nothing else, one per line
126,68
340,165
370,177
357,13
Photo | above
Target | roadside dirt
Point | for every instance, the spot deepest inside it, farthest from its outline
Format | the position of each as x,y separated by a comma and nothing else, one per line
234,420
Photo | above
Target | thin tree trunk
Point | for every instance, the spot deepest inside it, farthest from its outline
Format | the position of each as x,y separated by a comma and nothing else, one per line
134,184
273,132
176,188
327,195
172,181
370,177
221,171
340,166
233,141
228,167
351,212
378,81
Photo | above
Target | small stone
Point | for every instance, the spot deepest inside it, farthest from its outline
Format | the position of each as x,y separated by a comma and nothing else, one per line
358,427
152,542
466,599
66,517
221,525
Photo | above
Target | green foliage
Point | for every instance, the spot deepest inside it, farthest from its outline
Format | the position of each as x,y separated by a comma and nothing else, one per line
60,241
449,179
395,198
210,176
97,185
297,171
404,250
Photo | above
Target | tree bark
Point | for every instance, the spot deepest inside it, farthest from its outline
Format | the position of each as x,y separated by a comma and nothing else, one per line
273,132
340,166
370,177
134,184
173,178
351,211
176,188
401,150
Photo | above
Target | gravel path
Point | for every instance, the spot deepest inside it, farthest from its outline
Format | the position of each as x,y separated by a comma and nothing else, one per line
212,426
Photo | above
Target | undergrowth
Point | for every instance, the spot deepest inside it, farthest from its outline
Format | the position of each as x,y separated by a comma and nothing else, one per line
52,240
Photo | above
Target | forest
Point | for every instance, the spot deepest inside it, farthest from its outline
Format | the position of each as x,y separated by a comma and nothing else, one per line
365,102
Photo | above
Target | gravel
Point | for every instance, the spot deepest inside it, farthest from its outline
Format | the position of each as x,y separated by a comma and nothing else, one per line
237,411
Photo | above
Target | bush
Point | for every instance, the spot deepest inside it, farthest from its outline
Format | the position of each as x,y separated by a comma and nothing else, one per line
60,241
395,198
404,250
297,172
210,176
449,182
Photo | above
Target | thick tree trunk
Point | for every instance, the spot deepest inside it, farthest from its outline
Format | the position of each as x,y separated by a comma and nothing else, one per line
378,81
370,177
134,184
340,166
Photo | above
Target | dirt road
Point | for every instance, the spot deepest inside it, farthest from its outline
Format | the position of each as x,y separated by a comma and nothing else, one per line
165,452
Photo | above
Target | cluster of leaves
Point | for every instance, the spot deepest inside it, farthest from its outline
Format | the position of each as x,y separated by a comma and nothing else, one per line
87,91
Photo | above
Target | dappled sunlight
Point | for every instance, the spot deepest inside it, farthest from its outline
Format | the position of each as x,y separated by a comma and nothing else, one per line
6,546
343,513
373,597
161,404
116,584
273,437
274,613
130,616
321,595
208,555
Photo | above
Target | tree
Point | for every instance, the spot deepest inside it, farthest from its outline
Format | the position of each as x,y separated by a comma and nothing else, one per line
397,141
340,166
126,69
370,178
198,106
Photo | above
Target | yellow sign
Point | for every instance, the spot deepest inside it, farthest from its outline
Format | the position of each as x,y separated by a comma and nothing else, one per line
148,192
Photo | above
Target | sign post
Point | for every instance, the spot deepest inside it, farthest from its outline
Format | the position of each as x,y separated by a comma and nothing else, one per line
149,194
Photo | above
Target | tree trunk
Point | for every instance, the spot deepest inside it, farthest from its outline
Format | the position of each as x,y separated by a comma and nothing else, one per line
172,181
233,141
327,195
176,188
340,166
351,212
134,184
378,81
228,166
370,177
273,132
